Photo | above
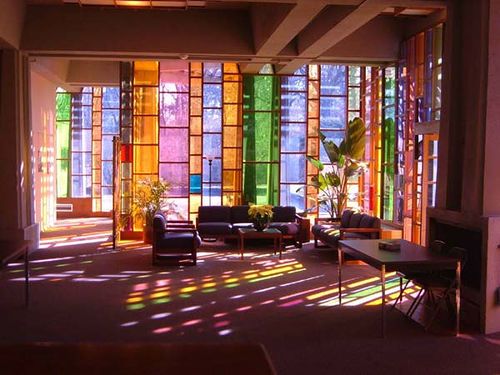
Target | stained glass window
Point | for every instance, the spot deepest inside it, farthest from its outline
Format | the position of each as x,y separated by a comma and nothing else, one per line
63,145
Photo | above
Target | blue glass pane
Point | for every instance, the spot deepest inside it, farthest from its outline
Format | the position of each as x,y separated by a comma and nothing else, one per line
332,113
107,147
212,95
301,71
212,120
293,168
212,194
292,83
212,72
333,80
195,184
289,196
293,107
212,174
110,97
111,121
212,144
293,137
335,136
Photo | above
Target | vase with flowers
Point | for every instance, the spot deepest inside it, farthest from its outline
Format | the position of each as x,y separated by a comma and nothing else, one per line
261,215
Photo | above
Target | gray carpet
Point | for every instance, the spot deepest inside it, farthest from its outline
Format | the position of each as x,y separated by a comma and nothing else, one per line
86,292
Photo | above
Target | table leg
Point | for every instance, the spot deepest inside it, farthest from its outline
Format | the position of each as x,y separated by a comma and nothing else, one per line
26,277
457,299
382,280
241,246
340,275
280,242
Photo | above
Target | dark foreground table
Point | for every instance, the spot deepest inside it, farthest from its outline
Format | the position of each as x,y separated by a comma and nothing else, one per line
128,359
410,258
10,250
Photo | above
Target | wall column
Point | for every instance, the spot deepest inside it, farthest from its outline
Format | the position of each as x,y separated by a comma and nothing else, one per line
16,174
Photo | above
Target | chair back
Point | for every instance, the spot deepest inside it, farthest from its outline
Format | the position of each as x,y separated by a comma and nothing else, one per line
438,247
459,253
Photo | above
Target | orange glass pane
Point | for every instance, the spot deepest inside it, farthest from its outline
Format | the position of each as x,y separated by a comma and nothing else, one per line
313,72
146,159
232,114
231,68
195,145
195,125
232,77
195,89
96,159
231,181
145,101
196,69
96,103
96,146
146,73
97,91
232,158
232,92
313,110
96,118
96,176
231,199
312,128
96,204
313,147
195,106
313,89
195,164
232,136
96,190
96,134
145,129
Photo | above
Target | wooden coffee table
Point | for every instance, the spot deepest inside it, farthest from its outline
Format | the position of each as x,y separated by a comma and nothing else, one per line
270,233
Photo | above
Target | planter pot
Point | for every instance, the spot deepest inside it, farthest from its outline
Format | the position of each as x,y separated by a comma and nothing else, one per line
260,225
147,234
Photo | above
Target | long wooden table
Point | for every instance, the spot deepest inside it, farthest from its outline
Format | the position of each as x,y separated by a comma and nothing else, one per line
410,258
10,250
135,359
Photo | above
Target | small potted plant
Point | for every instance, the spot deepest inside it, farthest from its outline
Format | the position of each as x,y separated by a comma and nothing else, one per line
148,200
261,215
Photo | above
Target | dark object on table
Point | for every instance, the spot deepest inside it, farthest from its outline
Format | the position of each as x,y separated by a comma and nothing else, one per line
174,241
390,245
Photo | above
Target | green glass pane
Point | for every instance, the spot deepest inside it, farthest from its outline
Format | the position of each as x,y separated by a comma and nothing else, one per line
63,106
388,169
62,139
261,181
62,178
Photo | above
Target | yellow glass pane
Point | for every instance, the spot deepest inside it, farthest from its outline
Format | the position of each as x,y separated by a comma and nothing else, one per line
313,110
231,199
232,136
146,159
195,106
232,158
232,114
232,78
96,134
97,91
195,87
96,190
313,89
196,69
231,68
195,145
96,204
230,180
195,125
232,92
146,73
96,175
312,127
96,146
145,129
145,101
195,164
96,159
194,202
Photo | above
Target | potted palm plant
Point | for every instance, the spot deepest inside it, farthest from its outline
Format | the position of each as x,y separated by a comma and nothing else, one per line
148,200
346,161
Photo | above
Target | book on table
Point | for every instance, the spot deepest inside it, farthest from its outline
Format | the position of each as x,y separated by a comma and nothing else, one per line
390,245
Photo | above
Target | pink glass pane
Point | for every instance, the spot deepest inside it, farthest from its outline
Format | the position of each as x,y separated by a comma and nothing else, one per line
174,145
174,76
174,109
178,177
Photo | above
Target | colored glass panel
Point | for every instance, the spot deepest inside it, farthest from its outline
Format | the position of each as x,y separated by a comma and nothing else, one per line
174,145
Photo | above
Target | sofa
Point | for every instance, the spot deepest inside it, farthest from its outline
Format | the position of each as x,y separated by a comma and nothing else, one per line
350,225
223,222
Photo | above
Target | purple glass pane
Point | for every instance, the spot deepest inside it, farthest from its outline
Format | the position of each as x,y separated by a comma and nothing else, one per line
174,76
174,145
174,110
178,177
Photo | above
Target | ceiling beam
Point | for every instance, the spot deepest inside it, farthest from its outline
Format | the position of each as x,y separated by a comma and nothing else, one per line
272,41
311,48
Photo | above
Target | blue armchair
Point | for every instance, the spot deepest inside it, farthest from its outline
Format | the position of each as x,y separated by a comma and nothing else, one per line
174,241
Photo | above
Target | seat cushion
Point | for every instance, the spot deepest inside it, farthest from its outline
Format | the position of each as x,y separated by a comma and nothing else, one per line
239,214
215,228
237,226
283,214
178,241
330,236
354,221
346,217
285,228
214,214
318,228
